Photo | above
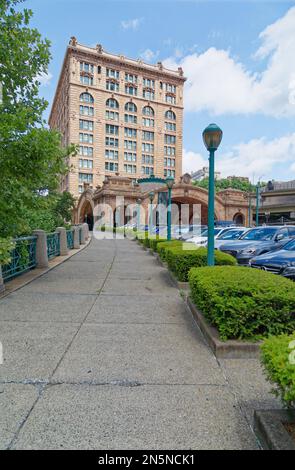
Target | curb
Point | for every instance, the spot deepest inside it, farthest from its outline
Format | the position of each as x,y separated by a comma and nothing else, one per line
270,430
231,349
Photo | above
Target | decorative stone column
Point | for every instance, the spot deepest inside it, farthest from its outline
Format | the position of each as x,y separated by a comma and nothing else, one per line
2,286
86,228
76,237
63,241
41,249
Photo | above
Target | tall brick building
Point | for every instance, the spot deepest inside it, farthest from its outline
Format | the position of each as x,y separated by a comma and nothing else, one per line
125,115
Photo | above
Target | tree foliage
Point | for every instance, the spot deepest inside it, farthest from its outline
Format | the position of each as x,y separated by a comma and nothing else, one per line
32,158
224,183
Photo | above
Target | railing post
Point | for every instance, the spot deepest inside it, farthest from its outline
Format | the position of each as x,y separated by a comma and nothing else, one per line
86,229
41,249
2,287
76,238
63,241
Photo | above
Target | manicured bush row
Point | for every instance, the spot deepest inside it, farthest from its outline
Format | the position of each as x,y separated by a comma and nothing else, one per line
163,246
278,359
244,303
181,259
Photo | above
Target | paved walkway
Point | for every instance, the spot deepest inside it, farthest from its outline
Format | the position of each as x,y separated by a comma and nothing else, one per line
102,353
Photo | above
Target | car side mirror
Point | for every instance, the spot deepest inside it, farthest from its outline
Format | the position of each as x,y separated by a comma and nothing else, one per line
279,237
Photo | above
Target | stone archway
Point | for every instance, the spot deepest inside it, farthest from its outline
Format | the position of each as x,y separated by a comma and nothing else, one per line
239,218
85,209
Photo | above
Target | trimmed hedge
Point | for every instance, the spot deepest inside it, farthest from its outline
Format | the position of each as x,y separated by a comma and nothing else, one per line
155,241
181,260
163,246
244,303
278,359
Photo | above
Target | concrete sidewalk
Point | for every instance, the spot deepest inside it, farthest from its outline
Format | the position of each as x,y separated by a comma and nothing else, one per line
102,353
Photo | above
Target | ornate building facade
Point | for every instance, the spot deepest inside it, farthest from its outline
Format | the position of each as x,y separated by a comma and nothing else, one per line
125,116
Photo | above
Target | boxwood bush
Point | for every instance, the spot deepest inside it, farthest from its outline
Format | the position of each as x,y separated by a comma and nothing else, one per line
155,241
181,259
244,303
278,359
163,246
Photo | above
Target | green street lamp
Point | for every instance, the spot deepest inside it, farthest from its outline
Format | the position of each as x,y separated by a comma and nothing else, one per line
212,136
169,182
257,203
151,197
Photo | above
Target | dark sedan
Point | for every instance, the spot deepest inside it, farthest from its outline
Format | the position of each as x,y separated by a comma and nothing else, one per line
258,241
278,262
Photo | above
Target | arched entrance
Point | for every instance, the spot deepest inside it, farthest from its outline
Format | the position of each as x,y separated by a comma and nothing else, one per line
86,215
239,218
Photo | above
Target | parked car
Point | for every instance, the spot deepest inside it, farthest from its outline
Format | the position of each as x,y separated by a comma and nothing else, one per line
202,239
258,241
233,233
194,230
278,262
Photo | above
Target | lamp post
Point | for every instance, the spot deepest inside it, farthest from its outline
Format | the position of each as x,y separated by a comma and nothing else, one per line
212,136
257,203
151,197
139,201
169,182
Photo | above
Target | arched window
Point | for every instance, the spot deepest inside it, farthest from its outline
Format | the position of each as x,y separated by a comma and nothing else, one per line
112,103
148,111
131,107
170,115
86,98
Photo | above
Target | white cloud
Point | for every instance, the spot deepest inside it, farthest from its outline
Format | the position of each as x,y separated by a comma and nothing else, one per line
131,24
148,55
258,157
44,78
219,83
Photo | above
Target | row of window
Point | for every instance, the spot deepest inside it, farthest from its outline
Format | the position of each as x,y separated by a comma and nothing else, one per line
87,164
128,144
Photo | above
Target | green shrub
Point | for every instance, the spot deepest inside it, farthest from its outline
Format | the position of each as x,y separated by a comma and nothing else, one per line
163,246
155,241
180,260
244,303
278,359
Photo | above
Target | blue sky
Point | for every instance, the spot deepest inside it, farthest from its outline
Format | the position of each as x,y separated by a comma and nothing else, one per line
237,55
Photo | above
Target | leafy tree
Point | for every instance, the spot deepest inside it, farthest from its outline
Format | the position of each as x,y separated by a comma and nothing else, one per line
31,156
234,183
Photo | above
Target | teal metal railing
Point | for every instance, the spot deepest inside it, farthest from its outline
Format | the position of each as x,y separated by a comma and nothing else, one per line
70,239
23,257
53,245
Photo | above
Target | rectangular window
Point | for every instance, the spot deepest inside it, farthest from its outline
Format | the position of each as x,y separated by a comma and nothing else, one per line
113,73
147,170
170,99
112,86
148,94
112,142
147,82
111,166
128,132
169,151
130,145
131,90
86,125
85,178
169,162
86,67
168,172
170,88
112,115
148,122
86,138
85,164
111,154
86,110
170,139
129,157
170,126
147,148
86,151
146,135
147,159
110,129
129,77
130,168
130,118
85,80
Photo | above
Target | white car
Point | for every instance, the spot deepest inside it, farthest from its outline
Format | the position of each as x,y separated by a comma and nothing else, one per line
202,240
232,234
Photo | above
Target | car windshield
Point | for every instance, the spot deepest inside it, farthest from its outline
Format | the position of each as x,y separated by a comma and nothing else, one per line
230,235
260,234
290,246
204,233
